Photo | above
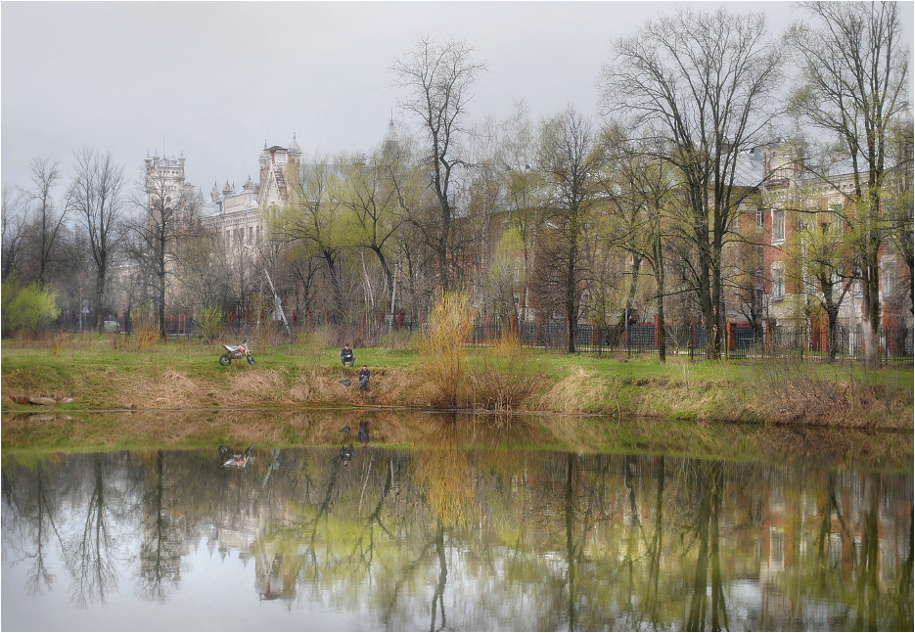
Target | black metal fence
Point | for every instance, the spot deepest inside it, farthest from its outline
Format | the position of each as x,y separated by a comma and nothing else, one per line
739,341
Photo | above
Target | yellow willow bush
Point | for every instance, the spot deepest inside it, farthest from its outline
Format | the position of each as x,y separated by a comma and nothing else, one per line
145,334
443,472
444,365
505,376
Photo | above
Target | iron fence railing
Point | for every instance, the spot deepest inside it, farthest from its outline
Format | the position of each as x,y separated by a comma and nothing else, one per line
738,341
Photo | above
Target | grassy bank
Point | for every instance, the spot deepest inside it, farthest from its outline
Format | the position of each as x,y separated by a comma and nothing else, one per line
99,373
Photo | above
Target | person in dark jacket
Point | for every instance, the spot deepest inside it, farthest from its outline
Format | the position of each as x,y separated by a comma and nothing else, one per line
346,454
347,355
364,375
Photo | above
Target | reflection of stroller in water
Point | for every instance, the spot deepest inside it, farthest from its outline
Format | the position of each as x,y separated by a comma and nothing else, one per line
235,459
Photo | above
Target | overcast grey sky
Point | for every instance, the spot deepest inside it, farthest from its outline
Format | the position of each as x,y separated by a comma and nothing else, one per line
215,80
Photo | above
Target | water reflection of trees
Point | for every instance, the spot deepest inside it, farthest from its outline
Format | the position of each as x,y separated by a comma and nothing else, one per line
440,536
162,542
31,518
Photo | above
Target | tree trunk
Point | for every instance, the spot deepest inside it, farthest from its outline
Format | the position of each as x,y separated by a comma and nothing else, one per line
571,308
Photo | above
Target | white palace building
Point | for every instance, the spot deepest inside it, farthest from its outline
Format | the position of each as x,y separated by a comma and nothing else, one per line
237,215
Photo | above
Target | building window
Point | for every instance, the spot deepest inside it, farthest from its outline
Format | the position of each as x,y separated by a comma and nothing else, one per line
778,226
889,276
760,217
778,282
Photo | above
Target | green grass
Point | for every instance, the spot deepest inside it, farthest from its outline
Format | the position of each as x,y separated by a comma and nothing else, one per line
99,370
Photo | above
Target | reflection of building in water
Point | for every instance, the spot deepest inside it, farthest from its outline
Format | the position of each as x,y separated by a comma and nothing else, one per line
250,531
229,539
852,523
274,579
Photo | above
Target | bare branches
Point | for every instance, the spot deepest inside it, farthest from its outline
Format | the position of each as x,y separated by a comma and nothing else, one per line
438,77
95,200
702,85
854,85
47,222
855,70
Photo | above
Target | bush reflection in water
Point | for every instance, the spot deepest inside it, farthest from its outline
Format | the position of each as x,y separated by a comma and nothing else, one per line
477,539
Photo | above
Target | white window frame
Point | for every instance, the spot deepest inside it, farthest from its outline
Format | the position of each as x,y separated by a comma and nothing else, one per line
778,282
778,226
888,276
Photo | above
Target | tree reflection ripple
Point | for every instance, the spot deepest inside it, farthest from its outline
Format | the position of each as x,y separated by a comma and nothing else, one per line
440,536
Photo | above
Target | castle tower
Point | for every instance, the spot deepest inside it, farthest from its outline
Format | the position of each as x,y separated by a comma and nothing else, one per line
166,186
275,162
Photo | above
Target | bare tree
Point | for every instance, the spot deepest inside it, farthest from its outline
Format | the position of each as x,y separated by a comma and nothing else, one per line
413,248
639,187
571,162
12,220
438,77
854,85
47,221
822,256
95,200
521,191
701,83
206,272
899,204
167,205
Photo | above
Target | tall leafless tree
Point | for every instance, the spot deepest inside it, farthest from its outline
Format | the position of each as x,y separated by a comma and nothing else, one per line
638,189
438,77
95,199
12,220
47,221
854,85
166,206
704,84
376,212
571,161
521,191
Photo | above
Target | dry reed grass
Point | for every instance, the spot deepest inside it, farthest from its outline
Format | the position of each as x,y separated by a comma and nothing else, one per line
505,376
145,335
798,392
173,389
444,365
263,386
580,391
310,384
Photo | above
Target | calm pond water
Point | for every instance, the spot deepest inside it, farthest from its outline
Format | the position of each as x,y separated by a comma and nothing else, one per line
437,536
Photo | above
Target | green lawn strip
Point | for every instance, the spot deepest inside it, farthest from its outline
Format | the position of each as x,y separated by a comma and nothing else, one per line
95,369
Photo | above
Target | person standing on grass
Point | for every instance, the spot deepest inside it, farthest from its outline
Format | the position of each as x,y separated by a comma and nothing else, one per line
364,375
347,355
